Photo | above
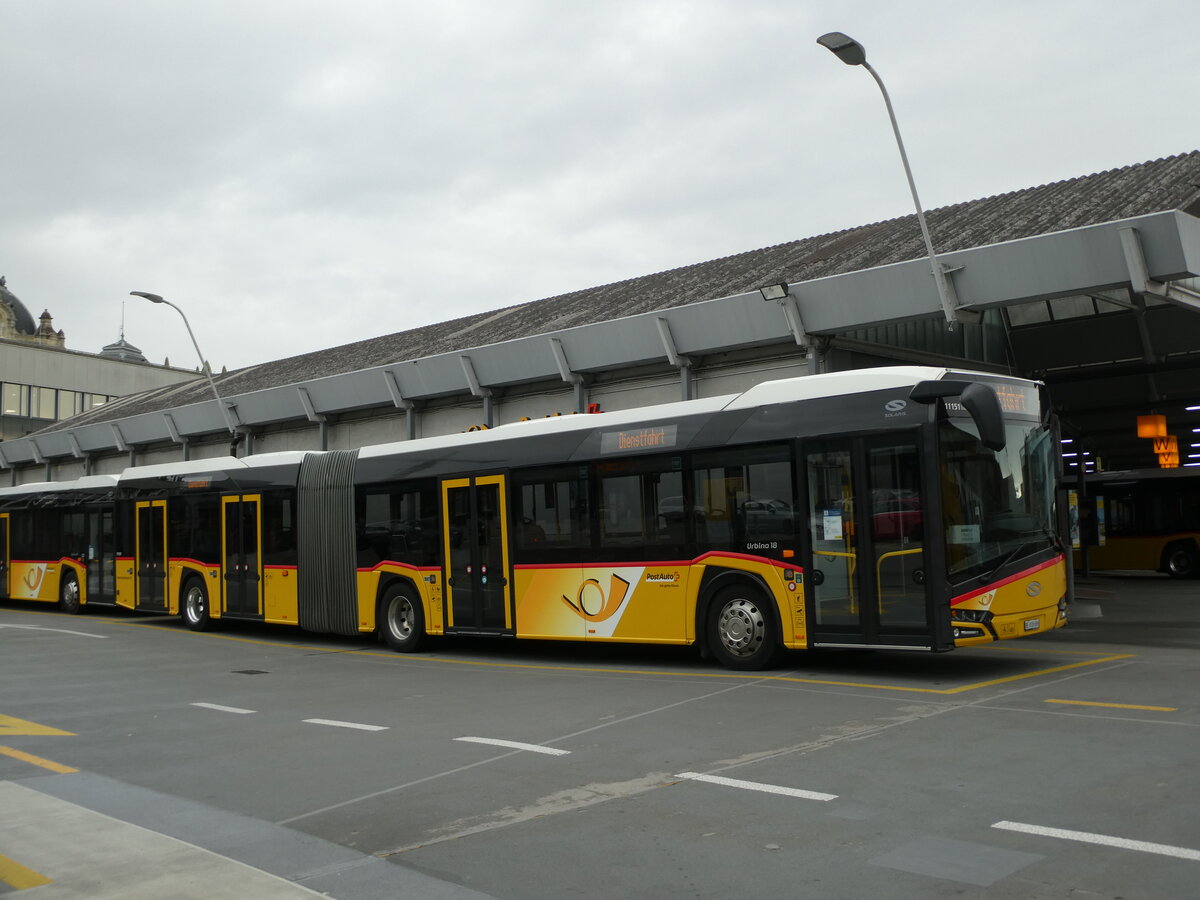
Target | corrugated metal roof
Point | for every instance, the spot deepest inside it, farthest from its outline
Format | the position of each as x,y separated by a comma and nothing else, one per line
1165,184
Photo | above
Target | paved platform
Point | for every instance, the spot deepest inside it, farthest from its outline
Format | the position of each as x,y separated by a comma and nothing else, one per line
85,836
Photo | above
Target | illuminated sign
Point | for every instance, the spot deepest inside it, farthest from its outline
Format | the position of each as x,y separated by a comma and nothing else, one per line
1015,399
1168,444
657,437
1153,426
1166,447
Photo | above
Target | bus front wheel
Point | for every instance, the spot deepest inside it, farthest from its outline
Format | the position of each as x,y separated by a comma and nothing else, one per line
741,629
1182,561
401,621
68,594
195,606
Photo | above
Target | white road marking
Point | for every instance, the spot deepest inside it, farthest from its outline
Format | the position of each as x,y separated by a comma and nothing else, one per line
338,724
756,786
515,745
230,709
1103,839
102,637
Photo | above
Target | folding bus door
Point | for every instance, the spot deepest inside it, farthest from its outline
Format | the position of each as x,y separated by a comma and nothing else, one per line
3,554
866,556
150,561
101,556
241,555
475,541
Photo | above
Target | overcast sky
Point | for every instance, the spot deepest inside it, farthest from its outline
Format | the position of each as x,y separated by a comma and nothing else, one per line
299,174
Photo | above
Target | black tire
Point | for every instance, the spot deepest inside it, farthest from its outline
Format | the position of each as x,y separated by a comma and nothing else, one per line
401,619
742,632
1181,561
68,594
194,608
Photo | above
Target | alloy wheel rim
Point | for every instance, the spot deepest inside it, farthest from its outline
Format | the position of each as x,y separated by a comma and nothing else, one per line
741,627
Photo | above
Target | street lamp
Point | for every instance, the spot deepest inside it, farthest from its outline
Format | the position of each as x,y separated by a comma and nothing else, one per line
851,52
155,298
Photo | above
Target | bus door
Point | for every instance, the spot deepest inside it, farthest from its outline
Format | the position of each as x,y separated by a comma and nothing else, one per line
3,554
150,562
241,554
475,542
866,561
101,556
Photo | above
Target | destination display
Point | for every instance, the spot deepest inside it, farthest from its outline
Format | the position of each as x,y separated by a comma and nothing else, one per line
659,437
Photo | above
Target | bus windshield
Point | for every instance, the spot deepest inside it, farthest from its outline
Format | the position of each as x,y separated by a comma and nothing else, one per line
997,506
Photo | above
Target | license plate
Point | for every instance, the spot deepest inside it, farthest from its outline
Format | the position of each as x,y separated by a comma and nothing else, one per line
1032,624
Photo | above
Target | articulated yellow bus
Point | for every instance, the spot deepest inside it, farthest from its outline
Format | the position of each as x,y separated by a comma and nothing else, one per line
900,507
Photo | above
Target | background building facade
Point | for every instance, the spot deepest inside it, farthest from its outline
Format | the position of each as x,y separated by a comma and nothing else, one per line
42,382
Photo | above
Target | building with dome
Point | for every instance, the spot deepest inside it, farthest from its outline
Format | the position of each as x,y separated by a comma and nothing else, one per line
43,382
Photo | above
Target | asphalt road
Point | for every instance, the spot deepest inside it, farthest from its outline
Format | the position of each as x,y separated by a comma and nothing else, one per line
138,759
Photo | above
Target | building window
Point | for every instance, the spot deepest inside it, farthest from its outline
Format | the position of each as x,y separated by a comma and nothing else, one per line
68,404
41,402
16,399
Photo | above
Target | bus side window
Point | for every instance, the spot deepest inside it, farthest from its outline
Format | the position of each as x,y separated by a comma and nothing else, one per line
621,516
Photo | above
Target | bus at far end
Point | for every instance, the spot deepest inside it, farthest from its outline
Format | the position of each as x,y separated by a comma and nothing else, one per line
906,508
1151,521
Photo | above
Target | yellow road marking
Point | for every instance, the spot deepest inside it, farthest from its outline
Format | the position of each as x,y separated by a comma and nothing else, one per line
10,725
1116,705
790,679
37,760
724,675
19,877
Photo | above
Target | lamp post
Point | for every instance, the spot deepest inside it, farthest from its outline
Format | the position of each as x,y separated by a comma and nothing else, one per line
155,298
851,52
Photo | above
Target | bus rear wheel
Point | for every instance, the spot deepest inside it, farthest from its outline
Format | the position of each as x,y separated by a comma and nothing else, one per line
195,606
741,629
1182,561
401,619
68,594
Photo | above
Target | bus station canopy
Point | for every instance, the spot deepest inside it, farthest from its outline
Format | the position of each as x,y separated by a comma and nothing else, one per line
1092,281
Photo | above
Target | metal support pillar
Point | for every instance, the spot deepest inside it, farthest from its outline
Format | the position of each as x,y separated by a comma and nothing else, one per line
675,358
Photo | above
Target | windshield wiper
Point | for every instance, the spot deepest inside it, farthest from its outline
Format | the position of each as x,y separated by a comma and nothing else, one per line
1004,561
1043,532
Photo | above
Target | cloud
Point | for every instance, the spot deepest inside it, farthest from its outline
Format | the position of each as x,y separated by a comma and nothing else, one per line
301,174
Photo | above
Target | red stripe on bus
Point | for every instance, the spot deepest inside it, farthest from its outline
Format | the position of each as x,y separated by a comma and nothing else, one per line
399,565
659,563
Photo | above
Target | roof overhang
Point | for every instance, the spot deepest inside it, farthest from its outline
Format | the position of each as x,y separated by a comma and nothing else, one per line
1080,260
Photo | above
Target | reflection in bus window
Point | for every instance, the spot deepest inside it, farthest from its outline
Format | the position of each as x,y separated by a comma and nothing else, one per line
996,504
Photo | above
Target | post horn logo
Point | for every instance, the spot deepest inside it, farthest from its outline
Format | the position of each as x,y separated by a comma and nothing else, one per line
593,604
33,578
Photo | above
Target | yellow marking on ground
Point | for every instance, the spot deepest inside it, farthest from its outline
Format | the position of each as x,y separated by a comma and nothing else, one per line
1004,647
792,679
10,725
1116,705
750,676
723,675
37,760
19,877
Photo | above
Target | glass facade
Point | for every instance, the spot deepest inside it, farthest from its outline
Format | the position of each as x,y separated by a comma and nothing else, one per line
31,401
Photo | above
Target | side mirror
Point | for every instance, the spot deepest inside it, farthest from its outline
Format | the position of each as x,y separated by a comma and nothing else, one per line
984,406
977,399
